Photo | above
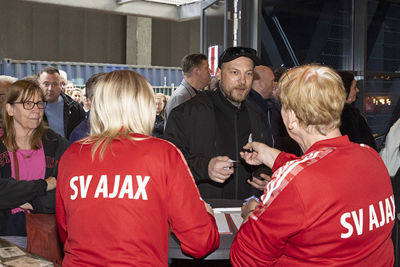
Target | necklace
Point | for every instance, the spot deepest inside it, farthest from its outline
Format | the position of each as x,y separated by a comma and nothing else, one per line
27,154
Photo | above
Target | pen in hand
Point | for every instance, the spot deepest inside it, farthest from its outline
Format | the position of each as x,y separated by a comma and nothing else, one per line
230,160
250,140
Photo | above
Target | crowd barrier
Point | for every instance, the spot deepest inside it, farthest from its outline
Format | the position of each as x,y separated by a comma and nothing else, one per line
163,79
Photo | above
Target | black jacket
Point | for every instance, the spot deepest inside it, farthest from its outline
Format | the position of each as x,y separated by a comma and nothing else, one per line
158,129
355,126
54,146
25,190
73,114
271,111
198,128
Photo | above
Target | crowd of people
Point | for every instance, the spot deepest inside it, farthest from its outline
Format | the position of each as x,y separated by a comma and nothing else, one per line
121,166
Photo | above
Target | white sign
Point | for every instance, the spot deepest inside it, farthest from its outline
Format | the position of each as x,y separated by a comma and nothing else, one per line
213,59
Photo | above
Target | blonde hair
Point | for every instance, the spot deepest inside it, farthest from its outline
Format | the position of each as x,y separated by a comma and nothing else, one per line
163,99
123,103
161,96
26,89
316,95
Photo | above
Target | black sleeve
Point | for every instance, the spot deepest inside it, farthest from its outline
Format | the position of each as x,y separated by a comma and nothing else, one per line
82,113
62,145
356,127
367,137
177,132
76,116
15,193
47,203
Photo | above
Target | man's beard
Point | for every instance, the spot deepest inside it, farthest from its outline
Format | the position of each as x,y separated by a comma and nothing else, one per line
230,94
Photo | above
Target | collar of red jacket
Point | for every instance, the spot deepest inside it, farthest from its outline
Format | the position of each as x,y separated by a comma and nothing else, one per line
340,141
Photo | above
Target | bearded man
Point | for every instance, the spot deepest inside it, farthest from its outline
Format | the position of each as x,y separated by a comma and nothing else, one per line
211,129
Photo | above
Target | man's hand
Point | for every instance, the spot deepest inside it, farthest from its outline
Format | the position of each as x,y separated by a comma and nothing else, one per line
258,183
51,183
248,209
220,169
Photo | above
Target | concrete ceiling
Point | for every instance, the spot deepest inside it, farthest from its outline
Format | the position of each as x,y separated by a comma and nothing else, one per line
168,2
177,10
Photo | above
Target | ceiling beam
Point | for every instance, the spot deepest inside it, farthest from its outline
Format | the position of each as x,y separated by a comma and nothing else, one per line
190,11
133,7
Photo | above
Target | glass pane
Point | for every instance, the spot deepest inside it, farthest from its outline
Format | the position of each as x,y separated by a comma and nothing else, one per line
214,25
380,101
383,37
300,32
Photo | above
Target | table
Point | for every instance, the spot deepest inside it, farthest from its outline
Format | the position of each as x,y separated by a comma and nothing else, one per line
222,253
11,255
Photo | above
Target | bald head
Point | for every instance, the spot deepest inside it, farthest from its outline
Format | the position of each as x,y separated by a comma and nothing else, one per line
263,81
5,82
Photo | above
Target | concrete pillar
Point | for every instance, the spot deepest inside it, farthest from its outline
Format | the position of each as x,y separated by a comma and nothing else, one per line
138,40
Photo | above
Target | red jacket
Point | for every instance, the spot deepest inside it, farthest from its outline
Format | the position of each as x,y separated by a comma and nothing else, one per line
333,206
117,212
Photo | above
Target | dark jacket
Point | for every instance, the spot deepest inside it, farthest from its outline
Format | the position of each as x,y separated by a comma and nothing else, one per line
198,128
355,126
54,146
158,129
73,114
81,131
25,190
271,111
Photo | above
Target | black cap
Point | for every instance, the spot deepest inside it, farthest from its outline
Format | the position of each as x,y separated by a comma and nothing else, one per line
232,53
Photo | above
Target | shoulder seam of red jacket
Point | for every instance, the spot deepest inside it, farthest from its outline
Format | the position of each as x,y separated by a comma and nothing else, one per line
285,174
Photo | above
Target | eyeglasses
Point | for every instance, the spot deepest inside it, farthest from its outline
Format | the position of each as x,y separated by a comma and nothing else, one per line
28,105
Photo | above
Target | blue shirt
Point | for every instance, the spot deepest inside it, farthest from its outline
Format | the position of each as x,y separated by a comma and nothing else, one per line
80,131
55,116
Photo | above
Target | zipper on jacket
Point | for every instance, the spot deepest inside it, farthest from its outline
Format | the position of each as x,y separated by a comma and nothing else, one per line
270,126
235,120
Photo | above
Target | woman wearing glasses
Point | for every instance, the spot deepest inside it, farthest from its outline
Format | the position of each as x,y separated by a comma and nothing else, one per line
29,150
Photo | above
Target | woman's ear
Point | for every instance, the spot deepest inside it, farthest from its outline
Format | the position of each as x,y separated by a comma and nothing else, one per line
10,109
291,119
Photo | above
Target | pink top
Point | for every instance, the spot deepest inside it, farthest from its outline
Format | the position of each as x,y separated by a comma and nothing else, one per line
32,165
